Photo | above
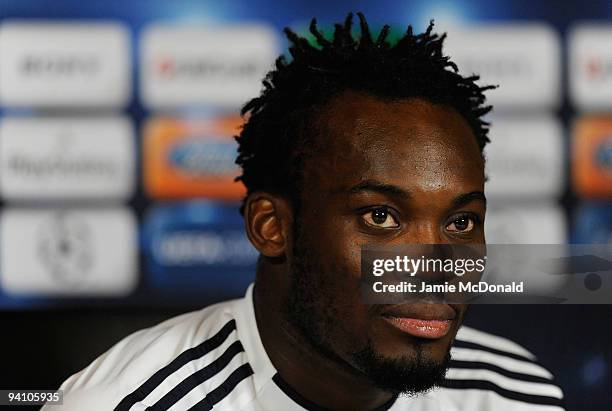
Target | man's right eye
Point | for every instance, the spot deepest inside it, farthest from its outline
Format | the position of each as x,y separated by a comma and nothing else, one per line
380,218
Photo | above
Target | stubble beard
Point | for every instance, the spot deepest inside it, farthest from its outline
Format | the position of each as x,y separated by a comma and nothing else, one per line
310,310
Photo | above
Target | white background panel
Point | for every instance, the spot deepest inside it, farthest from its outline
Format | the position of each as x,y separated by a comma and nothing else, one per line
68,252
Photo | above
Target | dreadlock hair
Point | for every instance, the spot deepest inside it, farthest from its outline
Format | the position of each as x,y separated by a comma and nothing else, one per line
278,127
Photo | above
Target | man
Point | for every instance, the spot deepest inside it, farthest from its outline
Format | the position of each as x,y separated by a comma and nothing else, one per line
352,142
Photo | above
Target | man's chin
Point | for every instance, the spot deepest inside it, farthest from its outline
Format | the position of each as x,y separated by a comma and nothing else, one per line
411,374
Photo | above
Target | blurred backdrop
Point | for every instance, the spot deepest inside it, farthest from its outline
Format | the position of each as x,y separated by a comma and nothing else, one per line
117,202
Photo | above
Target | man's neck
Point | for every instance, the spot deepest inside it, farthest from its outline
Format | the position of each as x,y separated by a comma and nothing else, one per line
302,366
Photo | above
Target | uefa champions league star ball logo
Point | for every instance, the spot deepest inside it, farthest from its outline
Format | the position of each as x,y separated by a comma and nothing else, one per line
65,248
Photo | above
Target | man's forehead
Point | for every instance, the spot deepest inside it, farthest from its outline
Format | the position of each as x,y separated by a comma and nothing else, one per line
356,120
368,138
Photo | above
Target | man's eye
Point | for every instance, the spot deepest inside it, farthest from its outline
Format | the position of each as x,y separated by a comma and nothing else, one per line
380,218
463,224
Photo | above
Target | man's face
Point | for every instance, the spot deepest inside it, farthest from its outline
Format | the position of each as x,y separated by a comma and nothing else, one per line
381,173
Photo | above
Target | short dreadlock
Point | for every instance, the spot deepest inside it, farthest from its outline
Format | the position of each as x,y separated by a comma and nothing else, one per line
272,141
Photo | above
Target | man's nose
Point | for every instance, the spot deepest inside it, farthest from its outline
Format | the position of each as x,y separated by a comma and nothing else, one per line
426,239
424,232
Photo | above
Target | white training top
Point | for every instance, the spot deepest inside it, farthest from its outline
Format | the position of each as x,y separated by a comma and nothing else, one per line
214,359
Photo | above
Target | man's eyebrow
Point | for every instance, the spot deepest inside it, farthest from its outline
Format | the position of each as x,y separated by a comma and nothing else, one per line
378,187
466,198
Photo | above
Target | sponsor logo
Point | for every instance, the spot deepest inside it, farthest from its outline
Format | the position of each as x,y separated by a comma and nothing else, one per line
59,66
186,66
523,59
65,248
186,159
498,67
198,157
61,162
203,68
66,158
592,156
195,248
64,64
597,69
590,66
48,252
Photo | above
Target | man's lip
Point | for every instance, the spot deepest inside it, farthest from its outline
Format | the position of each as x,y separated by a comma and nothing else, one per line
431,321
429,329
439,312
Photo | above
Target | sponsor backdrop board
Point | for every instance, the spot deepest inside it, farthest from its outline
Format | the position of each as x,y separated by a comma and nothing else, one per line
524,59
135,107
116,126
185,65
64,252
66,158
64,64
183,159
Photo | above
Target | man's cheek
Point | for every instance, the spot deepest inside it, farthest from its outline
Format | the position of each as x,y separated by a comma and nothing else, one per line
341,258
354,325
354,258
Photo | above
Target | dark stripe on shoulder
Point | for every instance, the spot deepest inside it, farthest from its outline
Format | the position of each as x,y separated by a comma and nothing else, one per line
477,365
223,390
512,395
476,346
197,378
186,356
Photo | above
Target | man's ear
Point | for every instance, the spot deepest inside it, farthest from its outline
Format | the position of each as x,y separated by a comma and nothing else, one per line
268,220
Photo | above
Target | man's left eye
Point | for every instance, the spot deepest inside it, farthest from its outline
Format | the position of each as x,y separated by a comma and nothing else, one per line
380,218
461,224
